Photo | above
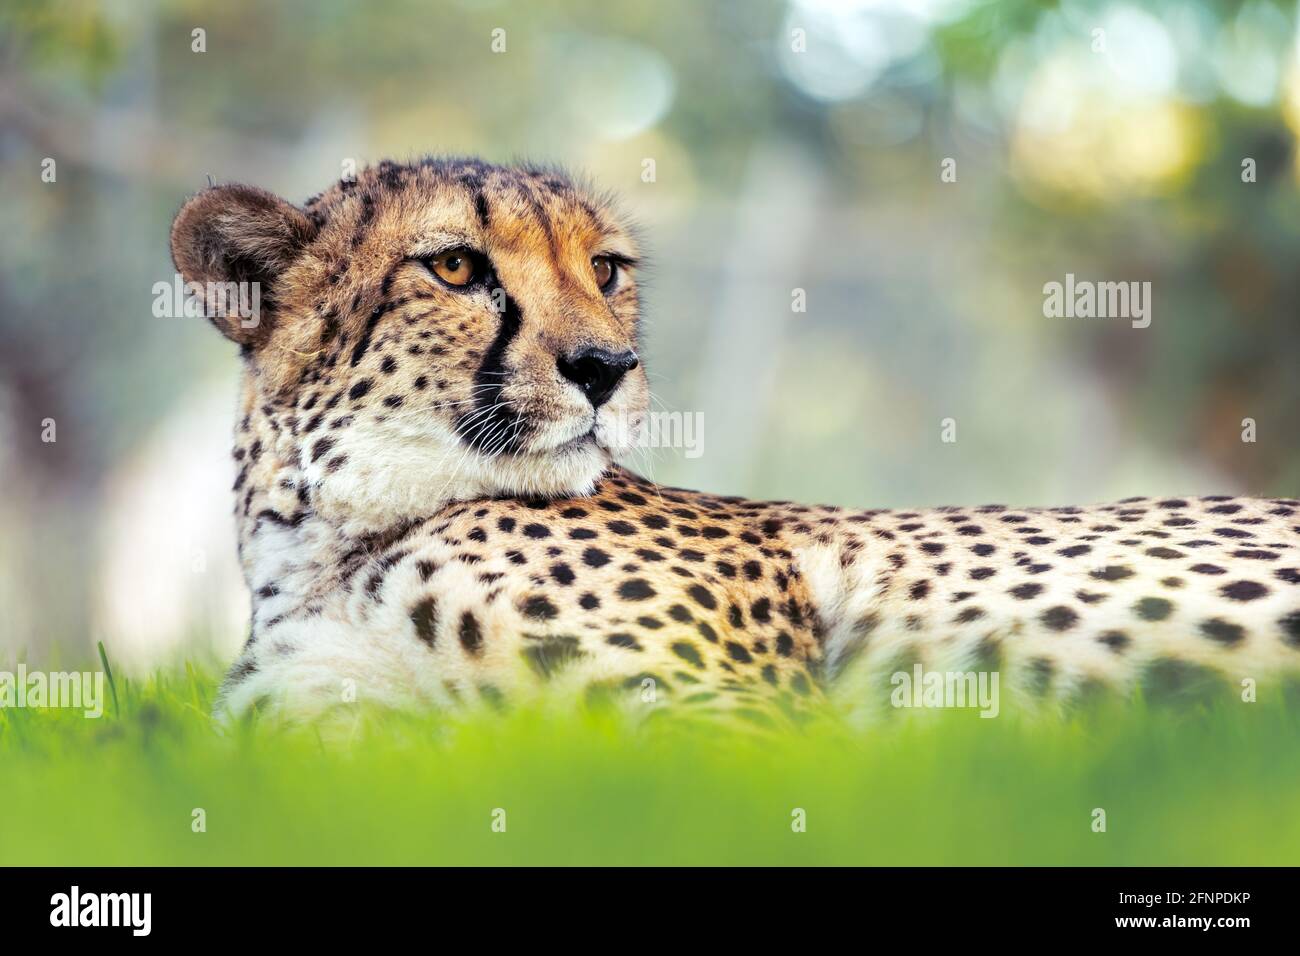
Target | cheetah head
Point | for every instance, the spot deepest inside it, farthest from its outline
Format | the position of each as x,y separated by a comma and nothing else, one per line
427,332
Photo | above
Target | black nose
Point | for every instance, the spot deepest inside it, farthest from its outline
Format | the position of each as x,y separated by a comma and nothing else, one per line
597,372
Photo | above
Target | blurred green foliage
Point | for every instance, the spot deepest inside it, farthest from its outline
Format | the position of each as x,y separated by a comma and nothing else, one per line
1215,787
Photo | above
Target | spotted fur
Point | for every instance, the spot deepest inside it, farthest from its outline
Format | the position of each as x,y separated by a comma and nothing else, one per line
430,513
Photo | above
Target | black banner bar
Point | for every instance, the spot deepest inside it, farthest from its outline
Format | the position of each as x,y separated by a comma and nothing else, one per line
334,905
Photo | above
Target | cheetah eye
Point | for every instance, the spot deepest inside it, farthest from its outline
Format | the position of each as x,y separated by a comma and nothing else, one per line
605,270
455,267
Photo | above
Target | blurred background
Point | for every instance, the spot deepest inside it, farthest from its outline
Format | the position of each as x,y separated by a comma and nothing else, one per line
795,145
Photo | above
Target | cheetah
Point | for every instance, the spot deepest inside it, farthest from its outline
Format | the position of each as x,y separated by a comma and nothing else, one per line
436,392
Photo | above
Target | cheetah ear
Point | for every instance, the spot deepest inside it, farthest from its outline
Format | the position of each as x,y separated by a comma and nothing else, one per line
243,235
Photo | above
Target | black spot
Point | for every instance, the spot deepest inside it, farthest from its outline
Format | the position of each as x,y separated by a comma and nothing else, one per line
538,608
1232,533
1291,629
1217,629
595,558
621,527
360,389
550,655
425,618
918,590
784,644
761,610
1026,591
536,531
1243,590
589,602
471,636
623,640
688,653
321,448
680,614
1168,679
1166,553
702,596
561,573
979,574
1112,572
969,614
1115,640
1208,569
1059,618
635,589
1153,609
738,653
1289,575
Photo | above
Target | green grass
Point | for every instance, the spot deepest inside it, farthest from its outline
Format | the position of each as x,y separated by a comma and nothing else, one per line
1209,786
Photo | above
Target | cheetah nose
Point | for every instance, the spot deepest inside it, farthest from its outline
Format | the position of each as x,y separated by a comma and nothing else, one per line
597,372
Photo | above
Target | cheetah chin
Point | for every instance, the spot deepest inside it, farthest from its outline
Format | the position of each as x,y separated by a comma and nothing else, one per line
431,513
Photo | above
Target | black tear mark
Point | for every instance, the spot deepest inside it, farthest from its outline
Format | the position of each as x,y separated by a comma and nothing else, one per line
489,421
363,343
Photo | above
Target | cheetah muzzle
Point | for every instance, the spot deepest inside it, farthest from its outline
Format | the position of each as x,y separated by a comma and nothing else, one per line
442,378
